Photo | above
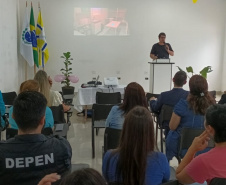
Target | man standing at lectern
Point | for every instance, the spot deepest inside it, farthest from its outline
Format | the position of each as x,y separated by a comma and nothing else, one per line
161,50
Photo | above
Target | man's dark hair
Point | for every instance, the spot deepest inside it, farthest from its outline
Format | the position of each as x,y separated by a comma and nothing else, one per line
28,110
180,78
216,118
86,176
162,34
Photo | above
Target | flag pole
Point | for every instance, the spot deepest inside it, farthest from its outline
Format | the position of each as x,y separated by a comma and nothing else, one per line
25,70
26,61
34,70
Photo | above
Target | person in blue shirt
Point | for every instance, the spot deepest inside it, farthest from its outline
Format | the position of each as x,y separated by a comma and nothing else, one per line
188,113
2,109
134,95
31,85
135,162
171,97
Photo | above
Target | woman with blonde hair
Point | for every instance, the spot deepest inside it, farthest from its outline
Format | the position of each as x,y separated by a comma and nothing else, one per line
54,98
31,85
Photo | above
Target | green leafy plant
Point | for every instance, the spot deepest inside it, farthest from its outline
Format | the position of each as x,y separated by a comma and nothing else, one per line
67,70
203,72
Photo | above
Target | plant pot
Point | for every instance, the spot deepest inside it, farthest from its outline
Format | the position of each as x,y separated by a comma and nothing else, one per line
67,90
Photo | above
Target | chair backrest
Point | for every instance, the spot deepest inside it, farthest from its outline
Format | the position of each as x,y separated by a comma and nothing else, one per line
9,97
100,111
58,114
172,182
212,94
188,135
108,98
111,138
149,95
165,113
10,133
218,181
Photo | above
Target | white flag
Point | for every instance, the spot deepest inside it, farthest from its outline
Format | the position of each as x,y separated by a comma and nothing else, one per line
26,49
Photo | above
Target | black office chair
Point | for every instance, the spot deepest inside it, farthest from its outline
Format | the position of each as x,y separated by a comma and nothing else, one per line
9,97
108,98
58,116
164,116
149,95
68,95
99,115
10,133
218,181
111,139
187,137
212,94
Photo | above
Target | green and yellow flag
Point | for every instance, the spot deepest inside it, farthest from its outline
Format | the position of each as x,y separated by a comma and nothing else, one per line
33,37
43,52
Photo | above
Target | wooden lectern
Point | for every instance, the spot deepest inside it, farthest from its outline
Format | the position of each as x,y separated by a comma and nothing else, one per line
160,76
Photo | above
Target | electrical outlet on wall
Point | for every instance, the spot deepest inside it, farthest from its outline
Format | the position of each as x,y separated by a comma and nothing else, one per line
146,78
119,78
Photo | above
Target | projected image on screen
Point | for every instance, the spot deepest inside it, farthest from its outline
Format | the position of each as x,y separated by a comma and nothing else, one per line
100,22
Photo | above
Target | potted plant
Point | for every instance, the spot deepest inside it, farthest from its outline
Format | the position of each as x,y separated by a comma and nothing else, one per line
66,78
203,72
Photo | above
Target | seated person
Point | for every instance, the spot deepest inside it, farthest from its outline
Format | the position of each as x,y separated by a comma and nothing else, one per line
209,165
223,98
171,97
2,110
54,98
134,95
188,113
31,85
29,156
135,161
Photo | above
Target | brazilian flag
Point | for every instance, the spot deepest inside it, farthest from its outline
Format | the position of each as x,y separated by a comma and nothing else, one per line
33,37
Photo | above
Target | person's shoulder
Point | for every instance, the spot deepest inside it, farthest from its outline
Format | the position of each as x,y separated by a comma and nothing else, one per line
166,93
116,108
156,44
181,106
159,155
110,153
48,109
11,109
183,102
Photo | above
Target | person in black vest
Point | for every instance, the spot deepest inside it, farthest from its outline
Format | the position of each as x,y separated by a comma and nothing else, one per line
29,156
161,50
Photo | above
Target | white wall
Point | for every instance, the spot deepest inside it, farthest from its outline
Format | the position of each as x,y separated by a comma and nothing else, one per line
195,31
9,69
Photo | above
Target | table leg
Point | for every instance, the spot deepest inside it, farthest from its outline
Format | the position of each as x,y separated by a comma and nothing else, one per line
86,107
